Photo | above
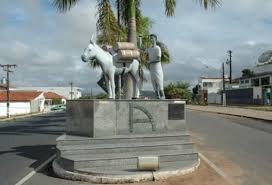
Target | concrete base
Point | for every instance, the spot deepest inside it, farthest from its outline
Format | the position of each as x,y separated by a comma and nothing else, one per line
104,118
105,138
123,178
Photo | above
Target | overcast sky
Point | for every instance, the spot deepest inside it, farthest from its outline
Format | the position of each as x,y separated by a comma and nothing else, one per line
47,45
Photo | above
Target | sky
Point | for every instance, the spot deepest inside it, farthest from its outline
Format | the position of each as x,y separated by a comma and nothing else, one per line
46,45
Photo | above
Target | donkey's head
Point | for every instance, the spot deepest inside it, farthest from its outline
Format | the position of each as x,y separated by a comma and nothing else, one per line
89,52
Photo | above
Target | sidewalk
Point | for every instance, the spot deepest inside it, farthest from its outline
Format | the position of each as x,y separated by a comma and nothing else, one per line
235,111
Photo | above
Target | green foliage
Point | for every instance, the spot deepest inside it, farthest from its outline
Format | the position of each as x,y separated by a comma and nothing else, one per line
56,101
101,96
106,24
247,73
178,90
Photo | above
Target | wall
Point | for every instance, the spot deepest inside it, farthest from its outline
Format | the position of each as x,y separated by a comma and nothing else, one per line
15,108
240,96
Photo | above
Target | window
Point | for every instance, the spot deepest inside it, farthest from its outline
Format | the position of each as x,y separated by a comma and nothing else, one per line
265,81
242,81
207,84
246,81
256,82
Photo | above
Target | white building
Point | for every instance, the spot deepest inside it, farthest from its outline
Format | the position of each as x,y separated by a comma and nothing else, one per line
63,91
211,89
21,102
211,85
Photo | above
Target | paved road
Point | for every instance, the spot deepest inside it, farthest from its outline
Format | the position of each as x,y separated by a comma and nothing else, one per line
241,147
27,143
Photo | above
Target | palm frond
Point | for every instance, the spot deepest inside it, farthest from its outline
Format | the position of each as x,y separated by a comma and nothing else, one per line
211,3
170,6
64,5
106,24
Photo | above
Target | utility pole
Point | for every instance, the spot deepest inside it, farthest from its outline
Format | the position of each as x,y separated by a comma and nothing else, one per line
224,85
7,68
230,63
71,92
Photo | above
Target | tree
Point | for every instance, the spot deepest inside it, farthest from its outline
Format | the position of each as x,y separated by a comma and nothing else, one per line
247,73
178,90
130,11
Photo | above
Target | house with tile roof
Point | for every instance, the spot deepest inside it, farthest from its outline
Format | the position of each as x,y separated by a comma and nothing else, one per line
21,102
52,98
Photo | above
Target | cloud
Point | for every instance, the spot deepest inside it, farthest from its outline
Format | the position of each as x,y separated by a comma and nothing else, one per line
46,45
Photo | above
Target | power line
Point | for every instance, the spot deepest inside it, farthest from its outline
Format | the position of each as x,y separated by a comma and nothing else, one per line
7,68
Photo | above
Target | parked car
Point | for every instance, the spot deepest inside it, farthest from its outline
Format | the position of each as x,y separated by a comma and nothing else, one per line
58,108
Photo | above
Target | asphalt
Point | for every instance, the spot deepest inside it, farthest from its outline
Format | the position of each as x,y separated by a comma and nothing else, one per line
26,143
240,147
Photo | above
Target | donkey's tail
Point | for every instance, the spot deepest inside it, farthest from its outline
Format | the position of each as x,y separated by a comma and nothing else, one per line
141,74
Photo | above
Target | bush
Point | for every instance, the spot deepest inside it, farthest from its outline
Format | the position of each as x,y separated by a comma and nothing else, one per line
178,90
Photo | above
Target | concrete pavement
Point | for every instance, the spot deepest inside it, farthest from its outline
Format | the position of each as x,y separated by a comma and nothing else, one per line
248,113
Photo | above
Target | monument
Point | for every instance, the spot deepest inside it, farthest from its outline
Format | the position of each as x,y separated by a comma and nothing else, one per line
123,141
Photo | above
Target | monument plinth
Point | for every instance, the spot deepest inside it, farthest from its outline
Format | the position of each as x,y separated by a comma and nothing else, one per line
105,138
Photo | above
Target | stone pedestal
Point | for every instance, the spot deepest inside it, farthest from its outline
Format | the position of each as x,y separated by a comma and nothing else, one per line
105,138
100,118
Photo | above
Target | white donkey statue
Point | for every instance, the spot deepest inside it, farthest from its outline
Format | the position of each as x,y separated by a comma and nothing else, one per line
111,67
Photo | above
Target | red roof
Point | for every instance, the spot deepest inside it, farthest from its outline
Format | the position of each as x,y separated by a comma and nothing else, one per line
52,95
19,96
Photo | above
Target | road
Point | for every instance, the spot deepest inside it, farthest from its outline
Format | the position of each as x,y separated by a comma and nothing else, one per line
27,143
240,147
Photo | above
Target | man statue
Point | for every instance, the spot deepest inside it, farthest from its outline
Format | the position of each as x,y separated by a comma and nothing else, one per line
155,67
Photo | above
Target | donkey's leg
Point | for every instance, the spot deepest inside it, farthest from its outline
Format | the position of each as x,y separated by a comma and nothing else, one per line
112,84
136,81
108,86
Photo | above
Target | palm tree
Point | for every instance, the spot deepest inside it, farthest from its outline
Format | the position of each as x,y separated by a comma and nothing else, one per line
130,11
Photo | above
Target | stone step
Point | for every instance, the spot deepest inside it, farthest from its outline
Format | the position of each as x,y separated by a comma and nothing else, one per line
122,148
77,140
131,169
120,145
119,159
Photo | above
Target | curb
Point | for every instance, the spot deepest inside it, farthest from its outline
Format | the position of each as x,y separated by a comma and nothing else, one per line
120,179
243,116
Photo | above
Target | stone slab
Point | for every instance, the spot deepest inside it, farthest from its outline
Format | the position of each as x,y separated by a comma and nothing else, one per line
101,118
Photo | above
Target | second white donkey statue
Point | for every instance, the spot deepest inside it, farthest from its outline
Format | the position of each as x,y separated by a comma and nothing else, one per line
111,67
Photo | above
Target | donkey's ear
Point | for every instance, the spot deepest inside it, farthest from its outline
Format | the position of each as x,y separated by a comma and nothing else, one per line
93,41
